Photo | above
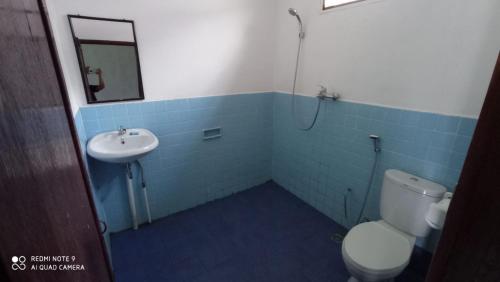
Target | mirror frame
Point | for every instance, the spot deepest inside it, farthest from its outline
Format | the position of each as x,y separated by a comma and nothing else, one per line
79,55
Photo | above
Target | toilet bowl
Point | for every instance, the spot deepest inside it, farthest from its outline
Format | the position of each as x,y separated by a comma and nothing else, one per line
380,251
374,251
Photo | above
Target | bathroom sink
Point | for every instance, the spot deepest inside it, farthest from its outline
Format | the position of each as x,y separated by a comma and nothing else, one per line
112,147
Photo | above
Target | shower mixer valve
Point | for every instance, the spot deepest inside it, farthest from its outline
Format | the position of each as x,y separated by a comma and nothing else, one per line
325,95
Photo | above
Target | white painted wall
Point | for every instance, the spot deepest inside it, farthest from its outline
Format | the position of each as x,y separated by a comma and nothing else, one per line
187,48
428,55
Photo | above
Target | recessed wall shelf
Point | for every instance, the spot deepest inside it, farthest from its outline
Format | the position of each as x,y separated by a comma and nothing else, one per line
212,133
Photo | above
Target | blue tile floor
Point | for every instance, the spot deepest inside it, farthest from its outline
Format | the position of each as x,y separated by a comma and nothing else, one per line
262,234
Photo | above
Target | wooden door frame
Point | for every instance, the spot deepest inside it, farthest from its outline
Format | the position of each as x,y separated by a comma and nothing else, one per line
44,220
72,125
469,248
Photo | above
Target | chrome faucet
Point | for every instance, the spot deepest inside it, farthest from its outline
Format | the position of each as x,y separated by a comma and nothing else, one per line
121,132
323,94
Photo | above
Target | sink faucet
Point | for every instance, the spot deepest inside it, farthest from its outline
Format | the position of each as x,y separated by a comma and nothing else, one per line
121,132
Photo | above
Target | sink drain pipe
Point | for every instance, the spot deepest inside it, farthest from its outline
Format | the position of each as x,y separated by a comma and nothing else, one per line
144,192
131,197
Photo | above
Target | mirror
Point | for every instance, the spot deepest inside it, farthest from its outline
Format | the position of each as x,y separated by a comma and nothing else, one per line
108,57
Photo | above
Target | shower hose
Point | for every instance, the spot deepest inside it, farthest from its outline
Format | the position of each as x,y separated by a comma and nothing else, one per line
368,190
318,105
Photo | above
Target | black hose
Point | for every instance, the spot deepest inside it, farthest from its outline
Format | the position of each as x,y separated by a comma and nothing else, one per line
346,194
318,106
370,184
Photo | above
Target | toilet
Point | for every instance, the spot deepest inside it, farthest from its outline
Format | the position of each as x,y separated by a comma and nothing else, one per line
380,251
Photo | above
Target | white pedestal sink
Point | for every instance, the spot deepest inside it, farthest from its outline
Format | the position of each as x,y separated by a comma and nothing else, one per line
125,147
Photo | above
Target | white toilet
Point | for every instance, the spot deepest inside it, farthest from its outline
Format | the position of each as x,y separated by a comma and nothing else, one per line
379,251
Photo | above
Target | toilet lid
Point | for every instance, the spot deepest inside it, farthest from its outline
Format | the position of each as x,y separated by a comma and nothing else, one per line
376,247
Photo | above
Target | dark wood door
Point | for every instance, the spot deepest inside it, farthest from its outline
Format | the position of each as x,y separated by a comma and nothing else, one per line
45,205
469,249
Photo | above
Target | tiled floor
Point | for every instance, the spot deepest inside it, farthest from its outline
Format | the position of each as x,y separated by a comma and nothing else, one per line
262,234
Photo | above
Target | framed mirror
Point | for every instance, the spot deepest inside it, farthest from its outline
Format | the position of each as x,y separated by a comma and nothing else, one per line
108,57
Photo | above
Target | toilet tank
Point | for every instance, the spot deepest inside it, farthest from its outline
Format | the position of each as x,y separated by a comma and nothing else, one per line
405,200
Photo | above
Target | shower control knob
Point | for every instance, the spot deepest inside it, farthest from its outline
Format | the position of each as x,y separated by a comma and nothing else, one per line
323,92
324,95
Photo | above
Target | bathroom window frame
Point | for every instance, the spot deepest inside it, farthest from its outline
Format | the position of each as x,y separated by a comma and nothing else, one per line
325,8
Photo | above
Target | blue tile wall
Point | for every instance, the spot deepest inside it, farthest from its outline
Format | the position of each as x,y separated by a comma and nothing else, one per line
261,142
82,138
80,128
320,165
185,171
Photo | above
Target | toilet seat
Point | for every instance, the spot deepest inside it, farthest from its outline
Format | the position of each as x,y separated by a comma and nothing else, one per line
377,250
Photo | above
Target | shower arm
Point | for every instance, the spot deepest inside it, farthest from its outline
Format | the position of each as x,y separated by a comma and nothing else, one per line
302,33
294,13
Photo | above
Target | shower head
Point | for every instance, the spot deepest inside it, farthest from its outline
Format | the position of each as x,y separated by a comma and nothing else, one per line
294,13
